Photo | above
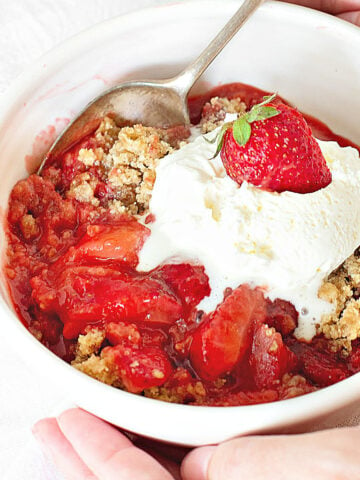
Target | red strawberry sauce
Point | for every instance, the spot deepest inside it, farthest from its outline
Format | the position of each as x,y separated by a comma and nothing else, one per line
73,269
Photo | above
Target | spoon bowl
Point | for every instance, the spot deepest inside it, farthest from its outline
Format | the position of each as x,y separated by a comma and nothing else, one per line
154,104
160,103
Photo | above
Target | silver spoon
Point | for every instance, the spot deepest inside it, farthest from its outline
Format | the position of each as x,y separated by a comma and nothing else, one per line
159,103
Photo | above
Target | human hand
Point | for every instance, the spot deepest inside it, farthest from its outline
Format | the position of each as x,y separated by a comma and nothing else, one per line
327,455
346,9
84,447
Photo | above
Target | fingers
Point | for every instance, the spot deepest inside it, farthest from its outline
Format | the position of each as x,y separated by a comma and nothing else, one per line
169,456
328,455
348,10
60,451
106,451
330,6
352,17
84,447
172,467
195,466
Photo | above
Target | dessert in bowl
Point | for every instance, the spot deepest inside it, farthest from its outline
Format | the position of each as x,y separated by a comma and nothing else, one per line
54,218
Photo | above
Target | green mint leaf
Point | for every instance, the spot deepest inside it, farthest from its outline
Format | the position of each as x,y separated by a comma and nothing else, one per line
219,138
254,114
265,112
241,130
266,99
218,148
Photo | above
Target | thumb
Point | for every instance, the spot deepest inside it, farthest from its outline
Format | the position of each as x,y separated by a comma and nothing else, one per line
326,455
255,458
195,465
228,461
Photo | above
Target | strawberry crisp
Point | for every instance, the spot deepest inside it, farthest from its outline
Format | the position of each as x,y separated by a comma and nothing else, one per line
180,275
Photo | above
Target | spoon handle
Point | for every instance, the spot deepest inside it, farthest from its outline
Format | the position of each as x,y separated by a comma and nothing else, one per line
185,80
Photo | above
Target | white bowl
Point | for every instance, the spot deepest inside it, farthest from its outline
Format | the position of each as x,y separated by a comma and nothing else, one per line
310,58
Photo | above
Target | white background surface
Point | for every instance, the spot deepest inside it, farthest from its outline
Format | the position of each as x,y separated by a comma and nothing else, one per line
29,28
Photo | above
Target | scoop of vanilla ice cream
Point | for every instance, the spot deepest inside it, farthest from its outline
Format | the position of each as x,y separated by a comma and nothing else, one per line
286,243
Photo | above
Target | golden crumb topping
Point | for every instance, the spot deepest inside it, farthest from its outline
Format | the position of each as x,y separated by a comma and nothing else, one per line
189,392
294,386
341,289
89,344
214,112
125,161
97,367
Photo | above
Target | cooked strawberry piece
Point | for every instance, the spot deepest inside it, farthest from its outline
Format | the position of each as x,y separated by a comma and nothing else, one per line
84,296
121,332
175,135
270,358
130,334
111,242
180,377
225,335
139,368
150,218
189,282
273,148
42,219
70,167
320,366
49,326
282,316
69,162
155,337
354,357
104,192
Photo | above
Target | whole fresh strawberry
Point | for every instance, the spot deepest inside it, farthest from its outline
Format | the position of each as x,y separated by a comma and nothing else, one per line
272,147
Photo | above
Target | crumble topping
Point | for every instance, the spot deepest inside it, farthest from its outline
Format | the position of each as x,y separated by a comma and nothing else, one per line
190,392
88,359
89,157
214,112
98,367
341,289
125,160
107,133
28,226
82,188
294,386
123,166
89,344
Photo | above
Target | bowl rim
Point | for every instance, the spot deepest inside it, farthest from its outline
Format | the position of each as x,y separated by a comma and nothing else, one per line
310,405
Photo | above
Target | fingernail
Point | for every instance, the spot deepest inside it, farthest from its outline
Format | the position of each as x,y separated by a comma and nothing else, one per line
196,464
